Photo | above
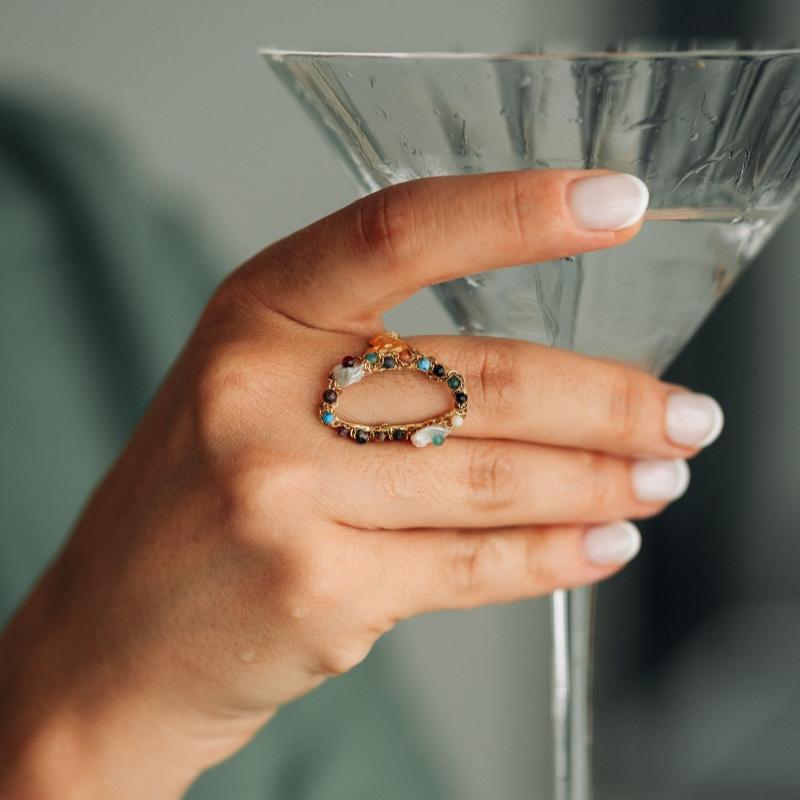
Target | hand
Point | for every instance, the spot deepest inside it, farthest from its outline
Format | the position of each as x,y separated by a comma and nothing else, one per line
239,553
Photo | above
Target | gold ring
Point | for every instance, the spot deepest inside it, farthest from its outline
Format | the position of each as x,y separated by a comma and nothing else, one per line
389,353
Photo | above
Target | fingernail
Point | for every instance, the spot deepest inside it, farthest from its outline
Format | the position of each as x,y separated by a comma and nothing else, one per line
658,480
612,544
610,202
695,420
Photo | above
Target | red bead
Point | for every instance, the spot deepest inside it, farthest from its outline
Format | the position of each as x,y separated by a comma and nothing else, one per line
348,361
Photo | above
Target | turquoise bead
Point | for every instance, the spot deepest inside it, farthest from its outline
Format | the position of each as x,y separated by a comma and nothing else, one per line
454,382
328,418
372,358
424,364
438,439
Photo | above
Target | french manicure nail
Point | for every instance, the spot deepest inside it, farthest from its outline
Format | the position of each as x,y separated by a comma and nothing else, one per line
694,420
608,202
612,544
658,480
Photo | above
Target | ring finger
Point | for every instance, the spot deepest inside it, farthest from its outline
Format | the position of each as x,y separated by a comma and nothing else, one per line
485,483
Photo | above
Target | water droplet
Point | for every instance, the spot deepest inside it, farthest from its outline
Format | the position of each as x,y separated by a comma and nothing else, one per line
503,111
475,281
524,81
694,137
349,74
372,81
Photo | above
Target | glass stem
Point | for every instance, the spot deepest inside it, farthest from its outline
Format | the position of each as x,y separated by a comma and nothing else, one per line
573,629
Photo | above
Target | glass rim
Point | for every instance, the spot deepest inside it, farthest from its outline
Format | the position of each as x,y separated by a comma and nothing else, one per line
594,55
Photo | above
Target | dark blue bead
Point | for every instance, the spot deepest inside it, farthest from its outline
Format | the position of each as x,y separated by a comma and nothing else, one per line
389,363
461,398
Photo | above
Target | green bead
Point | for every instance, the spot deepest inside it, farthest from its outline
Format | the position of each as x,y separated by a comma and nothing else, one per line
438,439
371,357
454,382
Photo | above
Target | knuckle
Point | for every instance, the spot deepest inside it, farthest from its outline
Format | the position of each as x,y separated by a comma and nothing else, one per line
340,658
388,223
492,480
475,563
219,393
256,507
604,492
493,378
548,565
538,569
626,399
254,497
516,202
391,480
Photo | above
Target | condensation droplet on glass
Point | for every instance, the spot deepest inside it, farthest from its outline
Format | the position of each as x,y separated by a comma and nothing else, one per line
349,74
524,81
503,111
475,281
372,81
694,137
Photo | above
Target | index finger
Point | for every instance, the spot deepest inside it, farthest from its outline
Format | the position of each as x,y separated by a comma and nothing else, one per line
344,271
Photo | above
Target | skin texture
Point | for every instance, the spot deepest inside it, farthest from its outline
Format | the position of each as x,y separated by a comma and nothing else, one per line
238,554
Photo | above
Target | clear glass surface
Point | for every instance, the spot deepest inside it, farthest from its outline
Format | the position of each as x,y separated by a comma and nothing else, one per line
715,134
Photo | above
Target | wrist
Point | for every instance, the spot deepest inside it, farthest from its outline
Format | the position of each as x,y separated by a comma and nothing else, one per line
74,726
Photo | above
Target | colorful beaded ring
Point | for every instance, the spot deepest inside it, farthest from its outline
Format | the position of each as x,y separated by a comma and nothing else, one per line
388,352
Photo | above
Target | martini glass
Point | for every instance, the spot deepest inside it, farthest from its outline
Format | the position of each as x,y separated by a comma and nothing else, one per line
714,133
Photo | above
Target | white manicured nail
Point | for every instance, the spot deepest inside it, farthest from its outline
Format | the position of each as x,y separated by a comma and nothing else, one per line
609,202
694,420
612,544
657,480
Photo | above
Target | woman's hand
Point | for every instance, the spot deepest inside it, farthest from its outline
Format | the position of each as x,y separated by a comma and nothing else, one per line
239,553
